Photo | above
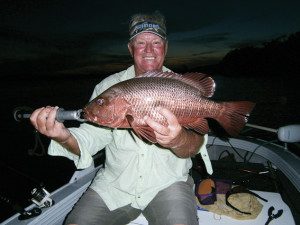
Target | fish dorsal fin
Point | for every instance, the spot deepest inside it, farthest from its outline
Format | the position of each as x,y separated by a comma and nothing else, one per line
156,73
200,81
205,84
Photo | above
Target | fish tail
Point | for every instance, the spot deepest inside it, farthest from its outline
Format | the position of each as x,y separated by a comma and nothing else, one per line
234,116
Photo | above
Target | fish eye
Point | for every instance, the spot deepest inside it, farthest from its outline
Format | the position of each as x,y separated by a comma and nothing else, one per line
100,101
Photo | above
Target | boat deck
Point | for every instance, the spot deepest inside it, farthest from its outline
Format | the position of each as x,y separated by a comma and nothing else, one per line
274,199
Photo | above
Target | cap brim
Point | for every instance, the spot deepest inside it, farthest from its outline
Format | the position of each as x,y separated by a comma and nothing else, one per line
148,31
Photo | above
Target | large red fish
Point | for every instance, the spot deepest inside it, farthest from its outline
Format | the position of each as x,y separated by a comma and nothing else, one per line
125,104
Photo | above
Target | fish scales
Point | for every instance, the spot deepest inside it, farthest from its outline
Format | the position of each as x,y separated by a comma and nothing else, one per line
160,92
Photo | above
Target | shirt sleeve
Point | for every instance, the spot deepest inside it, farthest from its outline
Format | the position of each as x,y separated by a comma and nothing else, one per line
90,138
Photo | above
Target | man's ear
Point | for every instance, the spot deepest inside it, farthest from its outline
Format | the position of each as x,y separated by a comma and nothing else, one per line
130,49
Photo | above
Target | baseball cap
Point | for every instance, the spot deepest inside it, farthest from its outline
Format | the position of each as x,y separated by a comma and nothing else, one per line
151,23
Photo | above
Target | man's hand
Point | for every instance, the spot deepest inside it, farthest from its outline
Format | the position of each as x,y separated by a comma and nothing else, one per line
165,135
184,143
43,119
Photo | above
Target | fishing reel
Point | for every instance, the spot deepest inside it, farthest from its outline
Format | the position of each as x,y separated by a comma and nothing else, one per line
41,197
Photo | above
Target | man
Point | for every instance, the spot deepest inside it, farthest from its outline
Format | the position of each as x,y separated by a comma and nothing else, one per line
138,177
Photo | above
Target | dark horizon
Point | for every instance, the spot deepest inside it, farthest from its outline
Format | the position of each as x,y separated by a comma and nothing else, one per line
71,37
277,57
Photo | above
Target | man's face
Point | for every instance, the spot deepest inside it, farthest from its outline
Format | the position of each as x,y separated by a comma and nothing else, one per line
148,51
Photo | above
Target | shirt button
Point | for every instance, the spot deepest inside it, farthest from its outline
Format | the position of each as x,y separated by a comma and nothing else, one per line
142,155
139,196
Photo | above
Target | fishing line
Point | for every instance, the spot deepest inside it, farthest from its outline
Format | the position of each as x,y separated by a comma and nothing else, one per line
228,154
252,153
37,142
235,150
213,142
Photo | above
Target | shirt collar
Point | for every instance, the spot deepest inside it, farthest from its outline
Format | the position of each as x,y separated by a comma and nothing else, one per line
130,73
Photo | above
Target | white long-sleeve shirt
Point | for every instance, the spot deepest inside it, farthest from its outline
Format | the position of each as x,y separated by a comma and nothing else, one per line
134,171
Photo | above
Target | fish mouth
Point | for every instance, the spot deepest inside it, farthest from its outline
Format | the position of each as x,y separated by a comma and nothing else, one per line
88,116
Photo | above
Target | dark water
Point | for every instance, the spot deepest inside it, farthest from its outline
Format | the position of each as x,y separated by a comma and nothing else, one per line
277,105
277,98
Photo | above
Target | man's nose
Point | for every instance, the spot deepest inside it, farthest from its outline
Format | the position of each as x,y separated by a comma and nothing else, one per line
149,48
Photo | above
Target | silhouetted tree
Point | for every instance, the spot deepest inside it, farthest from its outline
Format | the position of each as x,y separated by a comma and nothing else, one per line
279,57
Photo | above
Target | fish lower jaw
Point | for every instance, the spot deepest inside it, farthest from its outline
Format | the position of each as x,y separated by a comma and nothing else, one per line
91,118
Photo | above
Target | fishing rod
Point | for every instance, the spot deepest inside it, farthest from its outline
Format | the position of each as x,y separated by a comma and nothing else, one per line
287,134
24,112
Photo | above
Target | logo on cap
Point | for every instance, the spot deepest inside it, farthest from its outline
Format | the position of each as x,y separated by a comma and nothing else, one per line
147,27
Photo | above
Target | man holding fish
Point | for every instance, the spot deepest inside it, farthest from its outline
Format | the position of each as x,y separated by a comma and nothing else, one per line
139,176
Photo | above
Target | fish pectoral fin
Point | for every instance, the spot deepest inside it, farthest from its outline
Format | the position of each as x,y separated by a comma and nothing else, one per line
142,131
199,125
145,132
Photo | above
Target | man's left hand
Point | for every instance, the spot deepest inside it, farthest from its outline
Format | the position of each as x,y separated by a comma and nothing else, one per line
166,136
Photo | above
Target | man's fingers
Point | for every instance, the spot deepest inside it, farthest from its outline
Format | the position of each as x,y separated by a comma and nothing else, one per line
157,127
169,115
51,117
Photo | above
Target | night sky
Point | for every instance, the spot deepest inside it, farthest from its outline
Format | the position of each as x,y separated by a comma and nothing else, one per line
83,37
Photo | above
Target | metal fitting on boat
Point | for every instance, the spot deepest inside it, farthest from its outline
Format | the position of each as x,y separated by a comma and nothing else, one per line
41,197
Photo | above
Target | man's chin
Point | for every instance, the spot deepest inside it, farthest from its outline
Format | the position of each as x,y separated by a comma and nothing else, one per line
152,68
148,68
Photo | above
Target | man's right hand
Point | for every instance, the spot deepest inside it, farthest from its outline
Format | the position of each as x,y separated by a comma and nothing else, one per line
43,119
